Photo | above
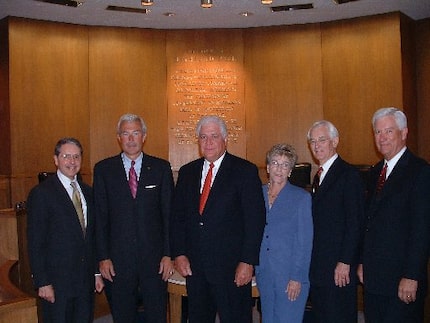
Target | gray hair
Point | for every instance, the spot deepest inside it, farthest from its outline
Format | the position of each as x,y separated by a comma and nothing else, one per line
129,117
212,119
282,150
67,140
332,130
399,116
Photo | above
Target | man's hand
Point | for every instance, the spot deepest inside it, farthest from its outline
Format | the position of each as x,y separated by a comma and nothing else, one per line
408,290
166,268
360,273
99,284
182,265
47,293
244,273
106,269
341,274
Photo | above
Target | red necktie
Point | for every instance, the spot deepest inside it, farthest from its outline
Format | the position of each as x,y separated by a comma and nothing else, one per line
206,189
132,179
381,179
316,181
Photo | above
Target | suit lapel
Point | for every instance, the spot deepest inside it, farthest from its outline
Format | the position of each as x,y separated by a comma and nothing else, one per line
221,177
331,176
69,208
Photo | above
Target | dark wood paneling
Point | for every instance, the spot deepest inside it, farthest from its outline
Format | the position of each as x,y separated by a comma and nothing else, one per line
283,88
362,68
127,69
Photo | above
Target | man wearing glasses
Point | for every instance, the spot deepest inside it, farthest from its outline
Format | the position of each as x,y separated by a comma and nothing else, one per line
337,211
61,240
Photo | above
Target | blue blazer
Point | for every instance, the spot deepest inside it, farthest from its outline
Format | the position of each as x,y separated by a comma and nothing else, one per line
397,233
288,235
59,253
230,229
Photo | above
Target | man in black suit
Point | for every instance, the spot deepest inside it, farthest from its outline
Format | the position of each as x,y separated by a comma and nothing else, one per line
216,244
60,243
337,210
397,232
132,226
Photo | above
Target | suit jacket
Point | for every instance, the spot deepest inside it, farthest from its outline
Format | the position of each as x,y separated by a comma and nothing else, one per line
59,253
397,234
133,232
337,210
230,229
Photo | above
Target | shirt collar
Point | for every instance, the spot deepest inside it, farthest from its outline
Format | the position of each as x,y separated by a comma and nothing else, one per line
393,161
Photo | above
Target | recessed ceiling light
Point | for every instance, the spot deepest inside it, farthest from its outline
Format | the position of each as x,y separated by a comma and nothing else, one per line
128,9
245,14
169,14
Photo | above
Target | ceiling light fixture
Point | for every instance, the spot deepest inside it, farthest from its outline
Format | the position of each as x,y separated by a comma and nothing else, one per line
342,1
206,3
147,2
266,1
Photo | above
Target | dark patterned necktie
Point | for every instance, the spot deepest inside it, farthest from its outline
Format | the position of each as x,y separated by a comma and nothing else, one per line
206,189
132,179
316,181
381,178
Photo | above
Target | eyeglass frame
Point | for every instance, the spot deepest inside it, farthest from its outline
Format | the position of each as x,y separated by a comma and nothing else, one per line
70,157
320,141
275,163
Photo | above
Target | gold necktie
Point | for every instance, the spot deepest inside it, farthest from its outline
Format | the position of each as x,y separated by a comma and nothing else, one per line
76,199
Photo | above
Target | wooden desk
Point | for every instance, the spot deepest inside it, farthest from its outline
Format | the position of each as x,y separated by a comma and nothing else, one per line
176,288
15,305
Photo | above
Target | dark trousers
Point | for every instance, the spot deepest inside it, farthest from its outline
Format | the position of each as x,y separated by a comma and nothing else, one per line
78,309
332,304
126,294
390,309
205,299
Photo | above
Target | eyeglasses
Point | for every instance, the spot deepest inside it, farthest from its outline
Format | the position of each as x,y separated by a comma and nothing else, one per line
71,157
275,163
126,134
320,141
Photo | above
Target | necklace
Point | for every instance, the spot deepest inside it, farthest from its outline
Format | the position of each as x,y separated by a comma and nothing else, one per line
272,196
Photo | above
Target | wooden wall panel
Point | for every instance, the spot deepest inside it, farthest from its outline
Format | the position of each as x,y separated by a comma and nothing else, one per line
423,88
283,92
127,69
48,95
4,192
5,139
205,77
409,86
362,72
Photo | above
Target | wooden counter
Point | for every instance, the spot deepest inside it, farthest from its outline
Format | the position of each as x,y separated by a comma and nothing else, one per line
177,288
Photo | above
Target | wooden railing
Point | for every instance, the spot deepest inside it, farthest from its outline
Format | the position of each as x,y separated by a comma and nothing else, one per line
15,304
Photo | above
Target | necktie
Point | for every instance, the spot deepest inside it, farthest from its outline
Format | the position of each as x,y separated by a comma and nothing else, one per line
132,179
316,181
77,203
381,178
206,188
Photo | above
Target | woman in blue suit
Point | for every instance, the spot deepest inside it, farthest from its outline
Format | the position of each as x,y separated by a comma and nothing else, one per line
285,253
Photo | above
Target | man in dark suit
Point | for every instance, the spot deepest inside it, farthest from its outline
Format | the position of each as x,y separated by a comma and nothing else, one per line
133,193
337,210
60,243
397,232
217,243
